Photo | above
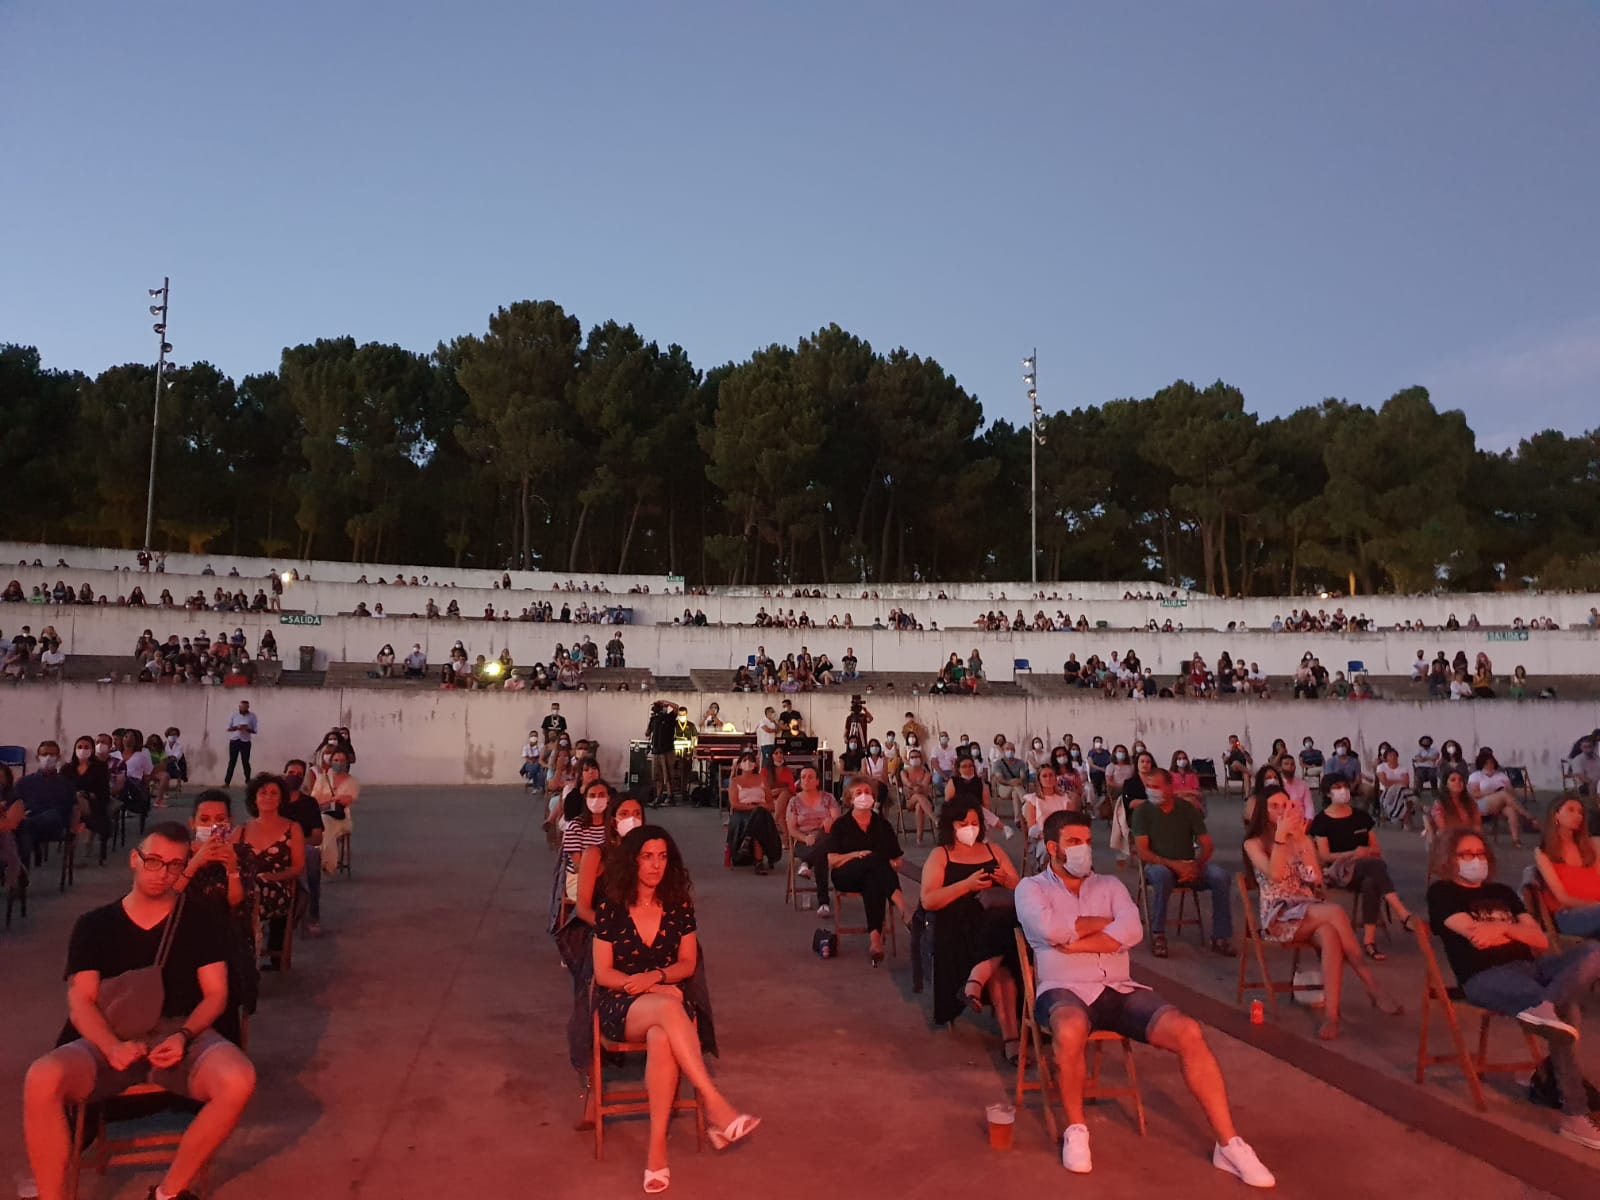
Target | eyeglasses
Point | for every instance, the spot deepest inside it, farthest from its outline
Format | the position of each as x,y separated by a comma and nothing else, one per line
1465,855
157,865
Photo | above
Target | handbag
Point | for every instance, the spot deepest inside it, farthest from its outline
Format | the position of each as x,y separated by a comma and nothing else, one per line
131,1002
1312,977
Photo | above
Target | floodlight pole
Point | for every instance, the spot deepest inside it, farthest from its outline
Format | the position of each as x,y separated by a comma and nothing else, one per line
155,411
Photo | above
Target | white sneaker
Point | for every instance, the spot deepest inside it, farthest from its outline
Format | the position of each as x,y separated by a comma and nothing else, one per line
803,870
1075,1150
1547,1022
823,912
1237,1158
1582,1129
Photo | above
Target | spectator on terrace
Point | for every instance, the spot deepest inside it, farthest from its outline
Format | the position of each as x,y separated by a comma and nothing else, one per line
1081,926
1497,953
966,881
1347,848
1570,869
386,661
181,1052
1491,788
1293,910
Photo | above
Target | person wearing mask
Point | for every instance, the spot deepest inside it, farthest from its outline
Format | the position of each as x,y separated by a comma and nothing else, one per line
967,785
532,770
51,808
101,1055
1310,757
272,849
1008,780
1185,780
854,754
1045,798
1425,765
943,759
1347,848
1570,869
1174,847
1450,755
572,798
242,730
864,856
810,817
177,759
1280,850
1295,787
875,766
588,828
968,883
1099,761
1500,959
1133,794
92,779
302,808
1396,797
752,828
336,791
1081,925
215,878
137,768
645,951
1036,757
917,789
416,665
660,732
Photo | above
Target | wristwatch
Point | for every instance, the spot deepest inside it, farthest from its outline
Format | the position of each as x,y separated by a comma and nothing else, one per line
188,1037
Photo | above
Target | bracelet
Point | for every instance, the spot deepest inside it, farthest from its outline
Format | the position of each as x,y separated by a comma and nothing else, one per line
188,1037
662,972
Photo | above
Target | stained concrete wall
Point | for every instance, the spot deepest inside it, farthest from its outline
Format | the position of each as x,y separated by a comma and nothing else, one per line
675,650
454,738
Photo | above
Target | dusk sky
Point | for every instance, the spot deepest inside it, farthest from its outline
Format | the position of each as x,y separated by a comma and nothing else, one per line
1303,199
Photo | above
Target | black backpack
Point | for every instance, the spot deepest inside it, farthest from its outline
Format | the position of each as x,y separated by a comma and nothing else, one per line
825,943
1542,1089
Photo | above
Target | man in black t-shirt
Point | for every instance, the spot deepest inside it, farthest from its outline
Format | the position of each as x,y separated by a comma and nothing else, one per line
1496,950
180,1053
554,724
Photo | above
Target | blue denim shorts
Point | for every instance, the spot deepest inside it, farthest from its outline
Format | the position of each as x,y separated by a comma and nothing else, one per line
1130,1014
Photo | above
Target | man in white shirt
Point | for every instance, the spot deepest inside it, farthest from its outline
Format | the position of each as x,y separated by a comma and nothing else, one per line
767,735
242,729
944,762
1081,926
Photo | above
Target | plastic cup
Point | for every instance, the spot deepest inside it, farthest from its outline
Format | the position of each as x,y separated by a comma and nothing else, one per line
1002,1124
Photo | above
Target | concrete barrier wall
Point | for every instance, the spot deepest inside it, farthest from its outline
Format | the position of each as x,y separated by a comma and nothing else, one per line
675,650
456,738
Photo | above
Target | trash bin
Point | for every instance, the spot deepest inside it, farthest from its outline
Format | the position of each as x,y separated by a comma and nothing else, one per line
308,658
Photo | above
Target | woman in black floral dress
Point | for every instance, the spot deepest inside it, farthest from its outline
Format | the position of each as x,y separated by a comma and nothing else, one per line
217,878
273,847
645,949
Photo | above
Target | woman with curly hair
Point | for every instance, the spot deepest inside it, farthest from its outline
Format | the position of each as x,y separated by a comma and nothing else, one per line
645,950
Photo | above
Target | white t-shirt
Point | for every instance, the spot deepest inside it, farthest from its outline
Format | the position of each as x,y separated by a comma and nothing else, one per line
767,734
139,766
1487,783
944,760
1391,776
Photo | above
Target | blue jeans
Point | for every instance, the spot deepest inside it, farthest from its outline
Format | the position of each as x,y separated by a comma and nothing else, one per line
1580,922
1213,879
1558,978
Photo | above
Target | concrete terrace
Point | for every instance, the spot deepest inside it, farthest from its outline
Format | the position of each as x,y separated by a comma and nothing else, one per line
418,1051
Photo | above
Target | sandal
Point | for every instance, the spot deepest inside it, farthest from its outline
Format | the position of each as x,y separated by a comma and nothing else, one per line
737,1130
1329,1030
974,994
1158,945
1411,919
1370,949
1012,1049
657,1181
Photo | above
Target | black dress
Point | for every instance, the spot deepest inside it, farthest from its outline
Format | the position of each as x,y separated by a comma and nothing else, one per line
631,956
966,933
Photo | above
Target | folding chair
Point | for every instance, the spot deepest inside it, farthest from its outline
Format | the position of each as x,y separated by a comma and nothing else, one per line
797,885
1229,781
1254,947
890,921
1186,893
1033,1036
1533,901
149,1140
1436,993
283,957
69,864
631,1101
341,845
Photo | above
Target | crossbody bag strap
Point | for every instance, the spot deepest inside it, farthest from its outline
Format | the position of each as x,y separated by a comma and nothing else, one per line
171,932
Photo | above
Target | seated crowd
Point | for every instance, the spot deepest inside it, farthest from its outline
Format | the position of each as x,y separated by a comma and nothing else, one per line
212,903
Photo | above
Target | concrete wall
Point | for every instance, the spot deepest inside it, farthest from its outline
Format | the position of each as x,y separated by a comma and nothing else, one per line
675,650
454,738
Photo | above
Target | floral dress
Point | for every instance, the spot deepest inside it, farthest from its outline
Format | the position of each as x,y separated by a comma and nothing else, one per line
631,955
1284,902
276,895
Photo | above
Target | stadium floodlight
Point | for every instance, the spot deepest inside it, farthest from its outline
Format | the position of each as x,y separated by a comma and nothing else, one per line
162,293
1030,366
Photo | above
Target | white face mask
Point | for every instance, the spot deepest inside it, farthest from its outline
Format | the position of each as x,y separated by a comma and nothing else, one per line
967,835
1339,796
596,804
1473,870
1182,764
1078,860
47,762
861,801
626,825
84,753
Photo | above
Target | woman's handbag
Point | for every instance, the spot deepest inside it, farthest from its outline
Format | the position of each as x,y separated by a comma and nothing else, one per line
131,1002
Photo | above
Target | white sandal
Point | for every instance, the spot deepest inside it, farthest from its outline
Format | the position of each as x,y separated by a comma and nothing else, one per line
657,1181
738,1129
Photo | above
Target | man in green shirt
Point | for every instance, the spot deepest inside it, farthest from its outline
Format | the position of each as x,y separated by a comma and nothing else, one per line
1175,851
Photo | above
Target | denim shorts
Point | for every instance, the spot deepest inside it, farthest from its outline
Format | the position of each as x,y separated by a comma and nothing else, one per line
1130,1014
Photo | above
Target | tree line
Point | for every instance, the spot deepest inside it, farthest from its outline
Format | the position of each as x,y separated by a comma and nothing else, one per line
534,445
